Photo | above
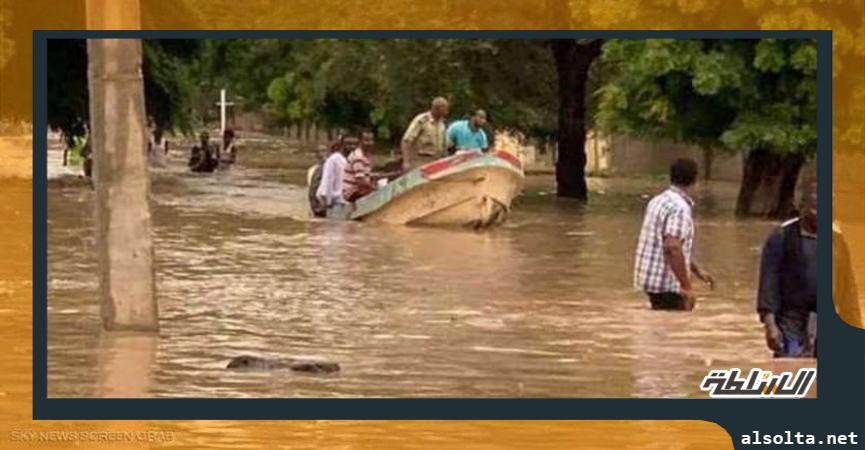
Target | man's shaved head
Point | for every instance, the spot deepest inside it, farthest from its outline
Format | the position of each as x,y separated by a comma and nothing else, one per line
439,107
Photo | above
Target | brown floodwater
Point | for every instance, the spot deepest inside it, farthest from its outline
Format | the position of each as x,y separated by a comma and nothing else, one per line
540,307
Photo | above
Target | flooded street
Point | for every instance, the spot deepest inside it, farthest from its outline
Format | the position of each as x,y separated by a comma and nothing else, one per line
540,307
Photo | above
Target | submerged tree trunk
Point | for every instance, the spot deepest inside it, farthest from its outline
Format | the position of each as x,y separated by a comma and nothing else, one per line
573,61
123,229
768,184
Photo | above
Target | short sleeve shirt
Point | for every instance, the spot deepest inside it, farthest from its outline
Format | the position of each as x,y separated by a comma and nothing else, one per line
670,213
427,135
358,171
461,136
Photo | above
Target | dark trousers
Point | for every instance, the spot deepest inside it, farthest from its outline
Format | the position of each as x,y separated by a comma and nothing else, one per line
794,348
669,301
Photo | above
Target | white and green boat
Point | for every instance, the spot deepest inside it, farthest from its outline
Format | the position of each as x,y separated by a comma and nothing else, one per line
470,189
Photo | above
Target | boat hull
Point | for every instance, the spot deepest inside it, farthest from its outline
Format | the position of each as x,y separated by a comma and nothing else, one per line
473,190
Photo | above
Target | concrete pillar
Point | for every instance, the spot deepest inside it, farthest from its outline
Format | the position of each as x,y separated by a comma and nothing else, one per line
119,137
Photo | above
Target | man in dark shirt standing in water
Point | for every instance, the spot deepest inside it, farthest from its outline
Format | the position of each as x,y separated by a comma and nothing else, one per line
787,297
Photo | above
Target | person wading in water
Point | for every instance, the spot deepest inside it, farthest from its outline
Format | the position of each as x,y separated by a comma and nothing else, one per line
228,152
664,263
313,181
787,296
203,158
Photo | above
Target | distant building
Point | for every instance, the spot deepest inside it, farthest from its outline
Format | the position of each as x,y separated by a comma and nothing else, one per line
619,155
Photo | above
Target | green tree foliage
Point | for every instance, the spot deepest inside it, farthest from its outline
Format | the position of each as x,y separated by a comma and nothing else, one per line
740,95
67,88
382,84
169,87
754,96
780,112
244,66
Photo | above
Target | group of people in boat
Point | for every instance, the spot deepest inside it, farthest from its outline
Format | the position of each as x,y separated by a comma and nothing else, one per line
787,293
428,138
208,156
344,172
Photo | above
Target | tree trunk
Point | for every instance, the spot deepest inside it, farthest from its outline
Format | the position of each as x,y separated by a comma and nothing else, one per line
123,229
768,184
573,61
65,156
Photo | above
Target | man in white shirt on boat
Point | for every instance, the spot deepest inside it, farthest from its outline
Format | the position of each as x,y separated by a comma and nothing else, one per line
330,191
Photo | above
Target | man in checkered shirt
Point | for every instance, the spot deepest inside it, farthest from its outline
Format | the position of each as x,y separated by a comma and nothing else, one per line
663,263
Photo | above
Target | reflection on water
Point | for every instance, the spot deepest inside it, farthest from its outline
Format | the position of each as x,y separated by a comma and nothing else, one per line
126,360
540,307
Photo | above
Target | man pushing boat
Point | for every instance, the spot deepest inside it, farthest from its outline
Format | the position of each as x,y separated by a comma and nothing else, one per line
330,189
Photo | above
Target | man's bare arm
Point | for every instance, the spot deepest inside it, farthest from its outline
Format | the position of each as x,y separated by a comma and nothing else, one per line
675,257
406,148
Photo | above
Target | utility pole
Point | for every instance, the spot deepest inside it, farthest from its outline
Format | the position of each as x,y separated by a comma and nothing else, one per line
119,137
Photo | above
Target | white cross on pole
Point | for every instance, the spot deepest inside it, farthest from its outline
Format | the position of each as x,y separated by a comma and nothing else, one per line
222,104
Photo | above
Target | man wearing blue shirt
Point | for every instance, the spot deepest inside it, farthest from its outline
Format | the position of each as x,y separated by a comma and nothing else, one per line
469,134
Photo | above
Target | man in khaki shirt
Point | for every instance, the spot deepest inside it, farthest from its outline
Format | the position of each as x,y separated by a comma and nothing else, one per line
425,139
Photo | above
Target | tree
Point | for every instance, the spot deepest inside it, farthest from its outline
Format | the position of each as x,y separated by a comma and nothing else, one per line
67,89
168,83
245,67
573,61
383,84
752,96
